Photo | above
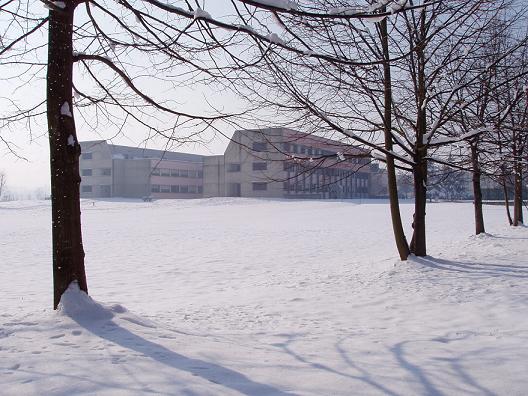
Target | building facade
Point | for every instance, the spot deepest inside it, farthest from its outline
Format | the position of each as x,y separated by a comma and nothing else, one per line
269,163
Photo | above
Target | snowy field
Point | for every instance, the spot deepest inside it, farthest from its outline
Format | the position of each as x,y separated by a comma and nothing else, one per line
256,297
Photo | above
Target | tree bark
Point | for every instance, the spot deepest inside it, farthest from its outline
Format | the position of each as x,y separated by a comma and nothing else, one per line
518,195
397,227
68,252
418,244
506,200
477,191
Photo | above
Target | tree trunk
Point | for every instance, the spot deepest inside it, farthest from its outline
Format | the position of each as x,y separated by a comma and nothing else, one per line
68,253
517,196
506,200
418,244
477,191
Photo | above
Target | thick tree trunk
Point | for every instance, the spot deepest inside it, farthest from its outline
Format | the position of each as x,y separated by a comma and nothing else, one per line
517,196
68,253
397,227
477,191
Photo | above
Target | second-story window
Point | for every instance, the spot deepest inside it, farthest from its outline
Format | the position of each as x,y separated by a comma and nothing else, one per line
86,172
260,166
259,146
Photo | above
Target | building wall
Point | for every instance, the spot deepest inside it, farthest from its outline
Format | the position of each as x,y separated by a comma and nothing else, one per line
131,178
95,167
214,176
176,179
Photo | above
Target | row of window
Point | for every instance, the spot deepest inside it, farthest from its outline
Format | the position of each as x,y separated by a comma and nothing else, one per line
192,174
178,189
86,156
86,188
96,172
257,166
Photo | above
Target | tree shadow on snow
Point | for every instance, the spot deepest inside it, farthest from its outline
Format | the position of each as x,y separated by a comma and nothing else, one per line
483,269
422,377
212,372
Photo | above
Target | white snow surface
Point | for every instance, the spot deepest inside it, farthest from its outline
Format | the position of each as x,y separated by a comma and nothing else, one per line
234,296
65,109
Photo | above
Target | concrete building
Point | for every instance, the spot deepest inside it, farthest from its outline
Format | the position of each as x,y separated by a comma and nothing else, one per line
272,163
119,171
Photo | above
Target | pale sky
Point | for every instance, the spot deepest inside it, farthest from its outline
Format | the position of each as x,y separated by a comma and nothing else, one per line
32,171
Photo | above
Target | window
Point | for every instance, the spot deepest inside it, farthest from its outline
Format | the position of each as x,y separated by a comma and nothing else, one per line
192,174
86,172
155,172
175,172
165,172
259,186
86,189
106,172
184,189
260,166
200,189
233,167
192,189
86,156
175,189
165,189
155,188
259,146
286,147
287,165
200,174
184,173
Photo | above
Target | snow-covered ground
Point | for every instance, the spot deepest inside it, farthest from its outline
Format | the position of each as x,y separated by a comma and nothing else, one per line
256,297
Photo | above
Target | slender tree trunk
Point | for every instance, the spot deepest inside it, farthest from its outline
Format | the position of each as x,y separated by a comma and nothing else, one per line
477,191
397,227
518,196
68,253
418,244
506,200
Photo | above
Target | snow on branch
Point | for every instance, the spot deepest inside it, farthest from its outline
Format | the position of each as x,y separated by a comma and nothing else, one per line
466,136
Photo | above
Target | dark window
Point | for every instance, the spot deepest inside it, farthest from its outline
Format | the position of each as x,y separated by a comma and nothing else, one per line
86,189
184,189
165,172
233,167
287,165
258,186
259,146
165,189
155,188
200,189
286,147
192,189
175,172
184,173
175,189
86,156
200,174
260,166
106,172
192,174
86,172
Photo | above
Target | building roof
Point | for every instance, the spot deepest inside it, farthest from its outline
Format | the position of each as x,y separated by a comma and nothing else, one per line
128,152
